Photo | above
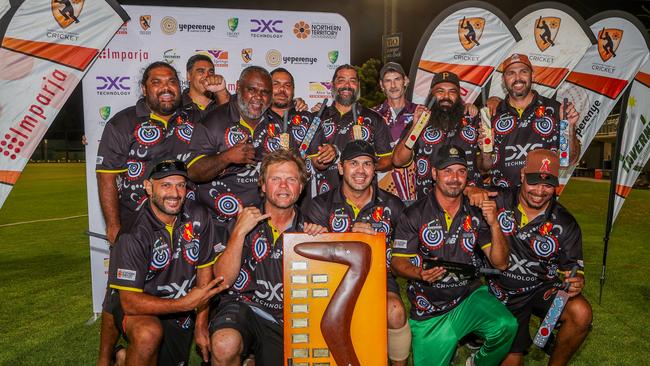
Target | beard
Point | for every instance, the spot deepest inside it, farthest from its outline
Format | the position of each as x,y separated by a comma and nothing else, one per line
159,202
447,118
282,105
347,101
163,108
245,110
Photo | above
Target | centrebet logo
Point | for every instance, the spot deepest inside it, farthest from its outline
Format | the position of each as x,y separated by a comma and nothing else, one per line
266,28
113,85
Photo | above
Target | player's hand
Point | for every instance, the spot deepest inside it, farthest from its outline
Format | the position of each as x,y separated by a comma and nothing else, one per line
242,153
247,219
314,229
199,296
111,233
214,83
572,115
577,283
418,112
489,210
492,103
316,108
432,275
477,195
326,154
300,105
471,109
202,340
363,227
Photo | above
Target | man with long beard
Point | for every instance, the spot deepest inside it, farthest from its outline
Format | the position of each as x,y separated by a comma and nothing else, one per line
347,120
154,128
447,125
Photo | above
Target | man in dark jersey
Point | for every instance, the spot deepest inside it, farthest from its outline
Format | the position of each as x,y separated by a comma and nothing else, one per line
446,306
249,317
162,271
358,205
206,90
448,124
156,127
545,240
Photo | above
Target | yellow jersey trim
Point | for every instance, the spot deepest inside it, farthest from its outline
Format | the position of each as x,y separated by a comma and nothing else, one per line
210,263
156,117
132,289
486,245
109,171
385,154
243,123
403,255
354,207
524,217
195,160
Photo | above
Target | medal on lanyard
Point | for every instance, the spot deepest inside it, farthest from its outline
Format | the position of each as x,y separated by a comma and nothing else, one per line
284,136
357,130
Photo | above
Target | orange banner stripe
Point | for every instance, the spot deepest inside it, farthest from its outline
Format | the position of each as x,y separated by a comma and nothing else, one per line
549,76
9,176
643,78
603,85
473,74
622,190
73,56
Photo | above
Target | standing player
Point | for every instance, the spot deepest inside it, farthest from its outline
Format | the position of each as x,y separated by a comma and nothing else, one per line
358,205
544,240
249,317
444,306
206,89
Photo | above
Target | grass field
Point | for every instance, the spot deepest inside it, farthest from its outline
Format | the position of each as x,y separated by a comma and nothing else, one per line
45,276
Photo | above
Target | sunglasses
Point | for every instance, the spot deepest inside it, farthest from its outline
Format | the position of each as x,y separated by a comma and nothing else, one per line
168,166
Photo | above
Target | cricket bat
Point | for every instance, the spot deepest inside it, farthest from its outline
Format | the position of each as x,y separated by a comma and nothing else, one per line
459,268
488,142
311,132
419,126
553,314
564,137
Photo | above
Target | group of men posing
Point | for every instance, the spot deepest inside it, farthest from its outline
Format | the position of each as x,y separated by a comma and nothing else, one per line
198,187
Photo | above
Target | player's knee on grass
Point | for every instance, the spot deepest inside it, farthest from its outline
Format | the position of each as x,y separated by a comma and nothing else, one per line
227,345
396,311
578,312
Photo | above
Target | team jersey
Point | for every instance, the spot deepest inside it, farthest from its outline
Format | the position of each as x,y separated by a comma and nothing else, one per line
396,122
539,248
432,139
134,138
162,260
517,134
260,282
338,131
201,110
426,231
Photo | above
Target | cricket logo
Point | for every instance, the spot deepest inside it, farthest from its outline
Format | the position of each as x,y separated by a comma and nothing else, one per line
608,41
105,112
66,12
233,23
145,22
470,31
333,56
546,29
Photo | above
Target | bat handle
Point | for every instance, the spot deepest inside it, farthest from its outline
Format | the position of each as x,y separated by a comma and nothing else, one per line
574,270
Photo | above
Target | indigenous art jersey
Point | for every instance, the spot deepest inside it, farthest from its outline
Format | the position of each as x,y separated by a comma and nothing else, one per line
427,231
260,282
338,130
201,110
161,260
432,139
135,138
539,248
398,181
516,134
333,211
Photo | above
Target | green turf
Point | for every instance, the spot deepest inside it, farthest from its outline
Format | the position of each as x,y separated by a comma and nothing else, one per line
45,277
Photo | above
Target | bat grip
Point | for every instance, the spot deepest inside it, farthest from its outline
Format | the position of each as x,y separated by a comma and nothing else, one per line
574,270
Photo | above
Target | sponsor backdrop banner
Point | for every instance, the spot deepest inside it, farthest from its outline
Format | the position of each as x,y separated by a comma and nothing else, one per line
46,48
469,39
554,37
309,45
599,79
635,147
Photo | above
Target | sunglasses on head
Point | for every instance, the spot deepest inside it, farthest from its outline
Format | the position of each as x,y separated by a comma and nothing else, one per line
168,166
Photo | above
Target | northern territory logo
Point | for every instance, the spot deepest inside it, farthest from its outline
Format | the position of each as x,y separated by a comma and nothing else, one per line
608,41
301,30
470,31
546,29
66,12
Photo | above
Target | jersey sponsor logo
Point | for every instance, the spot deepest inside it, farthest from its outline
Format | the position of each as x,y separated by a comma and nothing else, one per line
544,126
521,266
339,222
470,31
126,274
269,291
546,29
431,236
161,256
227,204
506,221
184,132
504,125
243,279
260,247
99,160
147,134
432,136
134,169
399,244
519,153
544,246
176,291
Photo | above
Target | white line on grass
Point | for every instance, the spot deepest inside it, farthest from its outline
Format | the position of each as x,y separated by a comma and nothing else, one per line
43,220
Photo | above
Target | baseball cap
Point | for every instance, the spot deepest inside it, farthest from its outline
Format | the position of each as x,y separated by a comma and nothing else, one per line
542,166
165,168
391,66
450,155
517,58
445,77
358,148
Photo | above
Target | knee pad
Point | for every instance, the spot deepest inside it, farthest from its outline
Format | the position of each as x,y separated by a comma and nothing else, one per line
399,343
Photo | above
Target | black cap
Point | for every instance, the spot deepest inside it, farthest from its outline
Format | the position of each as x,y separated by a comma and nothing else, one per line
391,66
167,167
358,148
445,77
450,155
